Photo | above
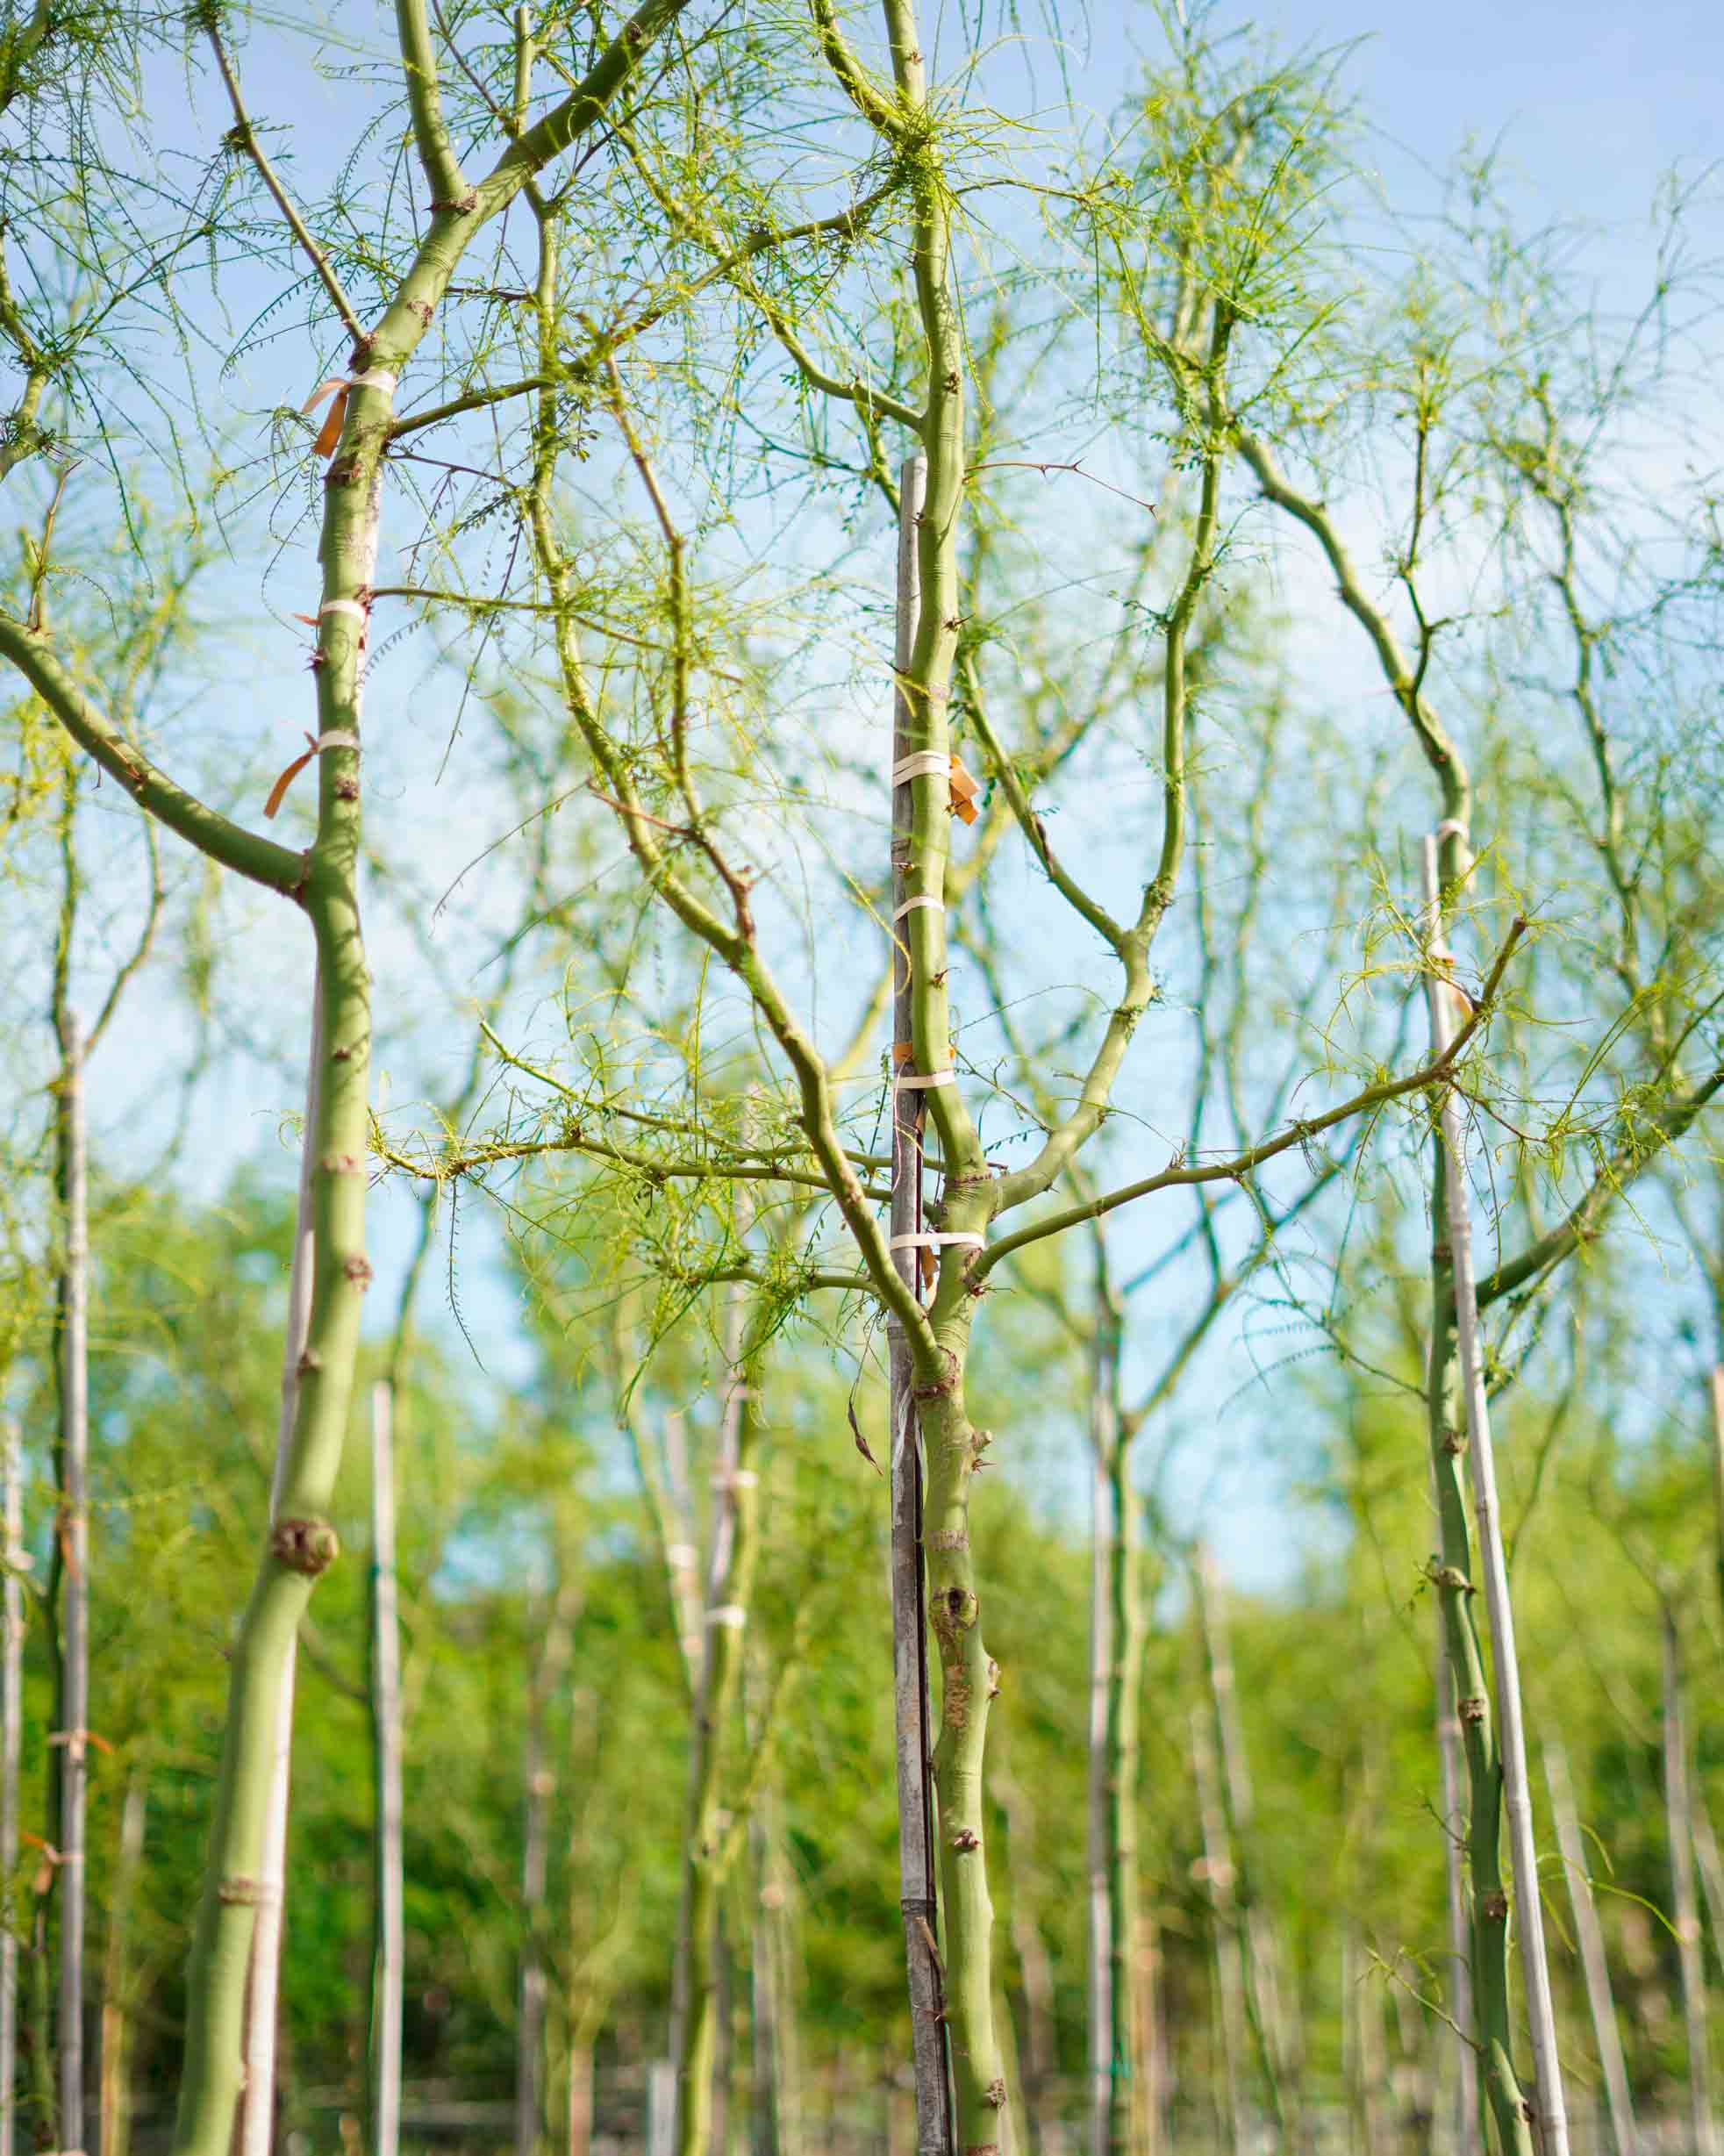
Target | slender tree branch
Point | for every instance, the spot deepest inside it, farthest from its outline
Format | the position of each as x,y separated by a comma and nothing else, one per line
245,136
1583,1220
1433,1073
424,101
1439,751
260,859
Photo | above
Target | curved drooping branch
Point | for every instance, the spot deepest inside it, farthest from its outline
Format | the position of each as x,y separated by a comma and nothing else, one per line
1436,1073
250,855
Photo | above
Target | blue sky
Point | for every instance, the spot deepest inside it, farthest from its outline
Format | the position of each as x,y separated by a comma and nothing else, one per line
1592,107
1594,100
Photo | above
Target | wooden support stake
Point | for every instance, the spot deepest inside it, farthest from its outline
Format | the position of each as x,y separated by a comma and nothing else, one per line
1623,2131
909,1668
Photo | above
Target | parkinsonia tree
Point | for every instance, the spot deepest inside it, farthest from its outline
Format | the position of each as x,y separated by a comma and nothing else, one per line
1497,401
406,268
679,731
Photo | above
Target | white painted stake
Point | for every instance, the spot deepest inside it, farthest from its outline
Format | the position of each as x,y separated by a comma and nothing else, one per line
1551,2124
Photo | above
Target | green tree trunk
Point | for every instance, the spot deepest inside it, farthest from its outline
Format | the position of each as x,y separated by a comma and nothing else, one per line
1125,1635
384,1697
729,1590
301,1542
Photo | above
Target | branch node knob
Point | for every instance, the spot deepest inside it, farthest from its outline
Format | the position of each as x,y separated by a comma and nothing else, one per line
307,1546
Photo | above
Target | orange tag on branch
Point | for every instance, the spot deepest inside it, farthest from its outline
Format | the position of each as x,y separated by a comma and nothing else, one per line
278,792
331,432
964,790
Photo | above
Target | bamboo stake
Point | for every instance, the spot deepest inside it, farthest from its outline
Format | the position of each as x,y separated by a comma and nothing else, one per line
1625,2135
386,1744
1718,1481
116,2109
1239,1806
763,1995
699,2039
681,1553
11,1745
1100,1963
660,2107
724,2037
1229,1966
1552,2118
1352,2093
1035,1970
257,2101
1685,1914
538,1790
1711,1861
1151,2037
1124,1640
1372,2066
1459,1959
913,1736
577,2122
72,1528
530,2023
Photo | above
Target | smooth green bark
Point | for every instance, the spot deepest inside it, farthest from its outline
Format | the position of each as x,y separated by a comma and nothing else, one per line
1125,1639
303,1543
1451,1574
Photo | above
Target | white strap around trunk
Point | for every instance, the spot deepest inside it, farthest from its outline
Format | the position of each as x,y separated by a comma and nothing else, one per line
729,1614
934,906
919,1081
924,764
342,606
935,1242
339,738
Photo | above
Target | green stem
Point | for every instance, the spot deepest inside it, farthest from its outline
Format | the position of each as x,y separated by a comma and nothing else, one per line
969,1679
1125,1595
